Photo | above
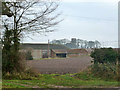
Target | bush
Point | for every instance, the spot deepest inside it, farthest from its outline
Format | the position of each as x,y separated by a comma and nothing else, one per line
14,73
85,75
26,75
105,63
104,55
29,55
106,71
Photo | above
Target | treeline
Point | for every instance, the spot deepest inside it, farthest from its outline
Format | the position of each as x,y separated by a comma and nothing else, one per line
77,43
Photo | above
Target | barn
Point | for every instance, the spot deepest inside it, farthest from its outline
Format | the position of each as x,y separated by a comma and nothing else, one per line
61,53
77,52
42,50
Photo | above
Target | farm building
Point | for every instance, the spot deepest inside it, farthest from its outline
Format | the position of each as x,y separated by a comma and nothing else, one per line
62,53
77,52
89,50
41,50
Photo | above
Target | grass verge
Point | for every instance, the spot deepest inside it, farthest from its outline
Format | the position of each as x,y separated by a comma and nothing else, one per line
81,80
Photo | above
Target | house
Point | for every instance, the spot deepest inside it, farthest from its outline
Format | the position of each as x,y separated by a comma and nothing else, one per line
41,50
61,53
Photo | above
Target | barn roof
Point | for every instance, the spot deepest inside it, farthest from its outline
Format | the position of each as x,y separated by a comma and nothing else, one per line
42,46
59,50
77,51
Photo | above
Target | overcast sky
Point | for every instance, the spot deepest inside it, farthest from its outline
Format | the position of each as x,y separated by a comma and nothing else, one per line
87,20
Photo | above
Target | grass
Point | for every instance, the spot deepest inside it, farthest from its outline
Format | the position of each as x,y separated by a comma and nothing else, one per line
0,84
60,81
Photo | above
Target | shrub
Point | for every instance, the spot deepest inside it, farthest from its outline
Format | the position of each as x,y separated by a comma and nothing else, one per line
29,55
26,75
104,55
104,63
15,74
105,71
85,75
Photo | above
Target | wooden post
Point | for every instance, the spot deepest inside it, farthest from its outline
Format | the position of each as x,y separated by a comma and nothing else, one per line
118,61
48,48
118,65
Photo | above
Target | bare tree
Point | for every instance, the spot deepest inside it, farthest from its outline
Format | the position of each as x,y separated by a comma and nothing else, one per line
28,17
5,10
97,44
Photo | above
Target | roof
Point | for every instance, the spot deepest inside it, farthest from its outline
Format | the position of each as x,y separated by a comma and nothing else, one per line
59,50
89,50
77,51
42,46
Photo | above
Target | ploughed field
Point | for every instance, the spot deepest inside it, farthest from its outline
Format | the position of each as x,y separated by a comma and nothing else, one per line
61,66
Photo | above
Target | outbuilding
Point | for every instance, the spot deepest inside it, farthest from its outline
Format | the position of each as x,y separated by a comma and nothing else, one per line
77,52
43,50
61,53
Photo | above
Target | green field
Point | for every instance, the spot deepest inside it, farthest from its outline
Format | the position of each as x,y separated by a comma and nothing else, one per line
60,81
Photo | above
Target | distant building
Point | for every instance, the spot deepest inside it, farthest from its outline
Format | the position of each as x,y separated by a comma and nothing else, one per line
41,50
77,52
61,53
89,50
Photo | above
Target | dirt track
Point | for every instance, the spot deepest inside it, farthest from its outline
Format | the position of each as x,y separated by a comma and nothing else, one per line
67,65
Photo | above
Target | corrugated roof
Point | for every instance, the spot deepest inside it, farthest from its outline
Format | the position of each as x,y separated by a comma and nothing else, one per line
42,46
77,51
59,50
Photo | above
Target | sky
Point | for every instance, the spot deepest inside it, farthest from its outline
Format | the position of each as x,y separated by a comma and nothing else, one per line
85,19
90,0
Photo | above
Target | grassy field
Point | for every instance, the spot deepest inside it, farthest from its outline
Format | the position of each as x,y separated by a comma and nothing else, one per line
60,81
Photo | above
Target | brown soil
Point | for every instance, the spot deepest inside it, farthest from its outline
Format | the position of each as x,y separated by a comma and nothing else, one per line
61,66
